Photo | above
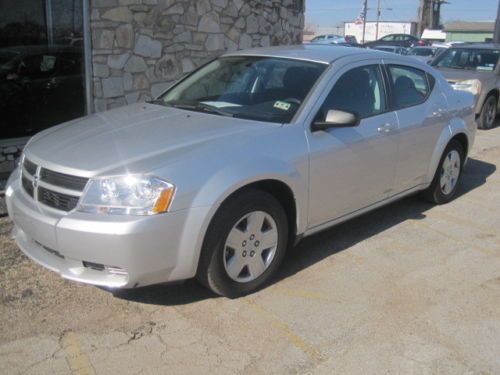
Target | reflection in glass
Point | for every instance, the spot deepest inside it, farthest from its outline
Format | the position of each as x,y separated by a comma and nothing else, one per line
41,65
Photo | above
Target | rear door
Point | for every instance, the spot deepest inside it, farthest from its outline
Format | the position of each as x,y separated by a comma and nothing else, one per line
421,111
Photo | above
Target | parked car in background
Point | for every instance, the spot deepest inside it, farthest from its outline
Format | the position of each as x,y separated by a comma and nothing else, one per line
335,39
394,49
351,39
401,40
424,54
474,68
327,39
39,86
236,162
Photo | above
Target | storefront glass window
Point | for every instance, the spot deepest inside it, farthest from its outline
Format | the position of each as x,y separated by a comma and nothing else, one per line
41,65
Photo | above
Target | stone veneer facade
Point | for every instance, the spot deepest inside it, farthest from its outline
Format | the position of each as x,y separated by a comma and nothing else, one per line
140,47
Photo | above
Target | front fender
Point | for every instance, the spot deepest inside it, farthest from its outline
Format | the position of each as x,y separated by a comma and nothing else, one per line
240,174
237,175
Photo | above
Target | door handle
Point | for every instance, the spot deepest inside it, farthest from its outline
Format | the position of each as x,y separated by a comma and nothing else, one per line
386,128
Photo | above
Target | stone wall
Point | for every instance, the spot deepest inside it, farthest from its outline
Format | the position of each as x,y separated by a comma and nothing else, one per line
139,47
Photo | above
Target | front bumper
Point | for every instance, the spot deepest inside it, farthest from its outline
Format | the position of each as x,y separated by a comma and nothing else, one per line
112,251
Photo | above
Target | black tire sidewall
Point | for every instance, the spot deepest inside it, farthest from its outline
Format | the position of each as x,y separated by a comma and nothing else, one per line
482,117
211,270
437,195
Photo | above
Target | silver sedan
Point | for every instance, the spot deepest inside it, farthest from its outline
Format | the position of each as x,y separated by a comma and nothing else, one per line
235,163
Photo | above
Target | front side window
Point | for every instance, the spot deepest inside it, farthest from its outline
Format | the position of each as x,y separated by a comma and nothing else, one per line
259,88
410,86
468,59
359,91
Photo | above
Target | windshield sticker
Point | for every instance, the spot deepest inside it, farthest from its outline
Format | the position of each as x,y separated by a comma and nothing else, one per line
284,106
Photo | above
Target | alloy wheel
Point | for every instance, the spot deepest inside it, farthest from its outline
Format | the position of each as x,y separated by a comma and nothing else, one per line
450,171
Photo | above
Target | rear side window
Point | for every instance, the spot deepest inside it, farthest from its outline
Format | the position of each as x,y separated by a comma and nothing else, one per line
410,86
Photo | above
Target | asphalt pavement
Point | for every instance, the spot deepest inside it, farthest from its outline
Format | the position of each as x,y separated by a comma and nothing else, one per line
410,288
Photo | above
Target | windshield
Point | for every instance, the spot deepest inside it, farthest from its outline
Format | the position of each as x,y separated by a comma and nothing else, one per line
260,88
469,59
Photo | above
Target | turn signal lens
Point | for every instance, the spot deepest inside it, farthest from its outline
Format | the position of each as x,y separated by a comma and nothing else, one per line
163,201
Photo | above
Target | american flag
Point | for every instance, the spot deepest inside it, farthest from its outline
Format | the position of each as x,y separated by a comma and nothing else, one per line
361,17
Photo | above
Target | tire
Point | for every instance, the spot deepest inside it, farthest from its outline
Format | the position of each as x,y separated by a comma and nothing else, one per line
488,113
447,177
232,256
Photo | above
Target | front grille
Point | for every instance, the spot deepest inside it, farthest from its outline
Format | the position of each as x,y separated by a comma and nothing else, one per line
29,166
50,188
27,185
63,180
57,200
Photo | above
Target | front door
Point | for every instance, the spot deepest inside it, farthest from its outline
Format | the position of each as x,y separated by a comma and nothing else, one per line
351,168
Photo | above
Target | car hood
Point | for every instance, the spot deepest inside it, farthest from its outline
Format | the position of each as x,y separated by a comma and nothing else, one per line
457,75
103,142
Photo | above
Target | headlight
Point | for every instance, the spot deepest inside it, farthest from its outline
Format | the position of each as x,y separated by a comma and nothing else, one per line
472,85
127,195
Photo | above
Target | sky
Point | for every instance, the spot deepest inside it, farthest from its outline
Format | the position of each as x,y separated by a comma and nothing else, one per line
331,13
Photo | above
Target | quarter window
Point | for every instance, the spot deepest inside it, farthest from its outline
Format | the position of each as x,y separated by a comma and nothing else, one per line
358,91
410,86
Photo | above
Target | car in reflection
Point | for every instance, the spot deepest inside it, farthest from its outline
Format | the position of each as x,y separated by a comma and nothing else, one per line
400,40
424,54
40,86
393,49
474,67
236,162
347,40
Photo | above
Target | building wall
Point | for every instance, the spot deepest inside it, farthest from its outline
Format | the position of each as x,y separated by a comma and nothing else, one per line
384,28
453,36
141,46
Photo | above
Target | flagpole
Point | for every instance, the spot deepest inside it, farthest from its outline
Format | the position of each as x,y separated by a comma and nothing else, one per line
365,7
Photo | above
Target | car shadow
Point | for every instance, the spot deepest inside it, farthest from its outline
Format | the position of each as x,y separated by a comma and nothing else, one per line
317,247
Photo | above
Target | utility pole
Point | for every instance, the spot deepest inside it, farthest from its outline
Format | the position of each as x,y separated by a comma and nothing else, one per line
496,37
365,7
378,19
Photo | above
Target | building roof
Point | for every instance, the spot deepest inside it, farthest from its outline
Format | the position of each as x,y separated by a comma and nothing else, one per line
470,26
323,53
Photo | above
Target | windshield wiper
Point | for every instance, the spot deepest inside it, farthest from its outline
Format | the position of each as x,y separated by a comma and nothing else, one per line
201,107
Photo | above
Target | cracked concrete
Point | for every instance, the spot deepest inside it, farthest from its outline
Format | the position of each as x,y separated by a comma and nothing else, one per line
407,289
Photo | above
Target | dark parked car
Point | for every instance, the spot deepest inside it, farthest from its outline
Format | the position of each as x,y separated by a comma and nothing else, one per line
40,86
401,40
392,49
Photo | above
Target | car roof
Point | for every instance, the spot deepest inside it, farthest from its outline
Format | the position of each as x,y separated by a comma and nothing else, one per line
321,53
476,45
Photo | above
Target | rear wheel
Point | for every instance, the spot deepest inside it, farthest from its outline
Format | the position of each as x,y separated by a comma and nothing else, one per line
488,113
444,185
244,245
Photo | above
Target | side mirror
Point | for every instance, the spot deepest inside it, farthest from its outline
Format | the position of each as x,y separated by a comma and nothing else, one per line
336,119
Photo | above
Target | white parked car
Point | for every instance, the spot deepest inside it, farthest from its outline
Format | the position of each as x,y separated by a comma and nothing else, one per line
234,164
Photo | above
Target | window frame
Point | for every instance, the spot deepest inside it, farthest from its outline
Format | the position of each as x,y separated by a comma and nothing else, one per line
431,84
384,87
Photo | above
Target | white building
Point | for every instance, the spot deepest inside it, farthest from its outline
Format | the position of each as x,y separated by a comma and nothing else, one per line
384,28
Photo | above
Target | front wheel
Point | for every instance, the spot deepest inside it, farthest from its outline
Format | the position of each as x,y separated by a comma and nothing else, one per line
244,245
444,185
